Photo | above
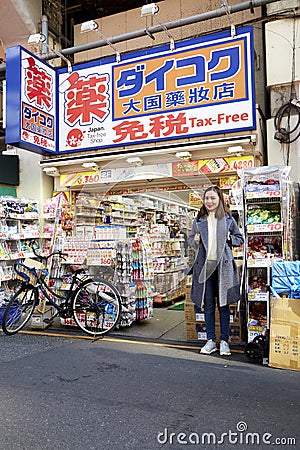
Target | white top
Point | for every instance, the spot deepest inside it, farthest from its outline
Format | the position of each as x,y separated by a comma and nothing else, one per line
212,237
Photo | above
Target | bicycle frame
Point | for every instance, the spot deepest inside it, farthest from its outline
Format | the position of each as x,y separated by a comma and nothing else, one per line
65,305
95,306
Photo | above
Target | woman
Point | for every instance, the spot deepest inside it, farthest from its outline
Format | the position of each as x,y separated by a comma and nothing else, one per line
215,275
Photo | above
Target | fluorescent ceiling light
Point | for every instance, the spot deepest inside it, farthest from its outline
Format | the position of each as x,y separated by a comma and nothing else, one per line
135,160
235,149
51,171
90,165
184,155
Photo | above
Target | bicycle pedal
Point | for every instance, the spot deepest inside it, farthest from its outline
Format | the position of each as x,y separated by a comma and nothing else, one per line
46,320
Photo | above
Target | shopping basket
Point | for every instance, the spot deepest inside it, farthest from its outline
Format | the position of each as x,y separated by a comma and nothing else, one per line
29,271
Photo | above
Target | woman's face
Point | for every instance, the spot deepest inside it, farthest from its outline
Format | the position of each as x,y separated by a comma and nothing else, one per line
211,201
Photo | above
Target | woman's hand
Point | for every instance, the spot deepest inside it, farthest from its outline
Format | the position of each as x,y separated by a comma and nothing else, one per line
197,238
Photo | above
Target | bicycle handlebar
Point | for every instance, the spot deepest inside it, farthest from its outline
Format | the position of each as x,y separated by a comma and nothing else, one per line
59,253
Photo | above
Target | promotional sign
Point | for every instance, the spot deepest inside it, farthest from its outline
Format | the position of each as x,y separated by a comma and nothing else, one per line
205,86
116,175
31,105
195,200
211,166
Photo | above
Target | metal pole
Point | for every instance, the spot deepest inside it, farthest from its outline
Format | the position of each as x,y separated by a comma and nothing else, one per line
45,33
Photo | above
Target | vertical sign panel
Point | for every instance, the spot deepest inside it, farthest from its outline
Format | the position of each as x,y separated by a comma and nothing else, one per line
31,102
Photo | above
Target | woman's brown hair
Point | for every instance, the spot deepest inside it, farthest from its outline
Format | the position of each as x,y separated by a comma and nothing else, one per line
221,210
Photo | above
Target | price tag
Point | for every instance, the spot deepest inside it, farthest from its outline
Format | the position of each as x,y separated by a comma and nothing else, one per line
263,194
258,296
105,261
243,163
89,179
258,262
265,227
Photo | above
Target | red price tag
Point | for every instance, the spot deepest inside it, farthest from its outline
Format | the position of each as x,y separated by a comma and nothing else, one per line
272,193
274,226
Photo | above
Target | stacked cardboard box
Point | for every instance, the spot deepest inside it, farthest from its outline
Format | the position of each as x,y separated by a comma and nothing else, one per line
285,333
195,322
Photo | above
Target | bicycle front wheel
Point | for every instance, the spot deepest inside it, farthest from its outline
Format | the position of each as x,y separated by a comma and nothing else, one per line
19,310
97,307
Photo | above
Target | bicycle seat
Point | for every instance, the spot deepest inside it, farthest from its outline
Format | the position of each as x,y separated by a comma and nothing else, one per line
76,268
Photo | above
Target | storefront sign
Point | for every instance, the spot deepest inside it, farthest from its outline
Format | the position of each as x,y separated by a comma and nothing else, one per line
31,102
205,86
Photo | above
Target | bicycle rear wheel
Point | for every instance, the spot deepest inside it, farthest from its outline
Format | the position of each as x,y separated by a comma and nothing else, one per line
97,307
19,310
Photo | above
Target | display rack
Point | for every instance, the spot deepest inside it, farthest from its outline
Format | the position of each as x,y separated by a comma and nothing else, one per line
266,212
19,224
170,264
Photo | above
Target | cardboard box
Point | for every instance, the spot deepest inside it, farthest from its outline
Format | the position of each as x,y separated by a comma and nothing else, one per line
37,318
285,333
196,331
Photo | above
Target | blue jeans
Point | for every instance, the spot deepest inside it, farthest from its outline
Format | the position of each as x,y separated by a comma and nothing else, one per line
211,292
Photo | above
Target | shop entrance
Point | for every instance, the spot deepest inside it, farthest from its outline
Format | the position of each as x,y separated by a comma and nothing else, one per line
159,222
132,228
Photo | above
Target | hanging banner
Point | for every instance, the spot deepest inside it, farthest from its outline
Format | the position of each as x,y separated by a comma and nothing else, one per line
203,87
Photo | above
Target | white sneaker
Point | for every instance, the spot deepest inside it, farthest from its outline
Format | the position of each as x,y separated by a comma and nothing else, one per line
209,347
224,349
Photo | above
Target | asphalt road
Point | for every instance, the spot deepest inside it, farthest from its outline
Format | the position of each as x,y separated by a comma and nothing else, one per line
69,393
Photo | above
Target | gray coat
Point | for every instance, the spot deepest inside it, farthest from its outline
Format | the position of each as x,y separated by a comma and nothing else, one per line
228,277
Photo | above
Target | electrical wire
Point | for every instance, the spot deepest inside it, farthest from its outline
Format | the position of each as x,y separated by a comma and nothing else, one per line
289,112
285,133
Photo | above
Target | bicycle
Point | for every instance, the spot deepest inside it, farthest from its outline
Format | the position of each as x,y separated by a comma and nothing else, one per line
95,306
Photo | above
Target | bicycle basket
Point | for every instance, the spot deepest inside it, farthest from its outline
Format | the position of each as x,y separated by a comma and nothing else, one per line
29,271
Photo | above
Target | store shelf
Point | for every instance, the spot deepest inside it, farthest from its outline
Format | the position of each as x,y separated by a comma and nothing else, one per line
266,211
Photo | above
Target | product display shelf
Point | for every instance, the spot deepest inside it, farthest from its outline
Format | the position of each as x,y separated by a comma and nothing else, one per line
266,205
92,210
124,262
57,220
19,224
169,265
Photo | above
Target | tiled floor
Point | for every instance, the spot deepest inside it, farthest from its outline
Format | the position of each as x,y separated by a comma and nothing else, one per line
165,325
